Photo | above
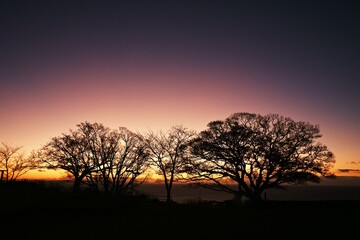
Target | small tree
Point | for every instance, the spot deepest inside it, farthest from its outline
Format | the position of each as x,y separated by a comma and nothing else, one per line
168,153
258,152
14,163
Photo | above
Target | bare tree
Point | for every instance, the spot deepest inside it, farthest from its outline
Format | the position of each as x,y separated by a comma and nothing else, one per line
69,152
109,160
258,152
168,153
120,157
131,162
100,144
14,163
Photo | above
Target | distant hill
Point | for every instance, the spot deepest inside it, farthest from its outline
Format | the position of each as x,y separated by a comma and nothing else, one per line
341,181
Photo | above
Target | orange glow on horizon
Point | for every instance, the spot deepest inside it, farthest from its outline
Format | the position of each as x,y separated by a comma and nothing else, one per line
152,99
150,177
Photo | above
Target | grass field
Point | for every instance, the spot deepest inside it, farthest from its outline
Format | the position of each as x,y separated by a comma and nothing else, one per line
29,211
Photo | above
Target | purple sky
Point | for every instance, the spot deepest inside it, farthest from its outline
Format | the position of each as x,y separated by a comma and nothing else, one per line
152,64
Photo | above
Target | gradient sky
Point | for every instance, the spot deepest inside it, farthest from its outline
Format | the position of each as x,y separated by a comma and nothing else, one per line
153,64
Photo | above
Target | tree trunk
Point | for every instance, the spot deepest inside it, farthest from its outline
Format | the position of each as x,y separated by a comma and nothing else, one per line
168,195
256,197
168,192
238,197
76,186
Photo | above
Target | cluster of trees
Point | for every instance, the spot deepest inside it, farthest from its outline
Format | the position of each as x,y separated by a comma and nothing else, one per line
105,159
255,152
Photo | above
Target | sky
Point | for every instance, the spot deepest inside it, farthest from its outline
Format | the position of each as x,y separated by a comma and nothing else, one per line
149,65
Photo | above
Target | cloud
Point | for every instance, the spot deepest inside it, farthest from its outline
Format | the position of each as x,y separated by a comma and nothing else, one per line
346,170
354,163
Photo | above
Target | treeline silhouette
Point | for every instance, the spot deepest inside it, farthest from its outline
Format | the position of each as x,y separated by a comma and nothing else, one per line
255,152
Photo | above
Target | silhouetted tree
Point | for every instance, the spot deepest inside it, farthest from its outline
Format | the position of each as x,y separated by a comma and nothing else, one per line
132,161
168,153
69,152
258,152
14,163
109,160
120,157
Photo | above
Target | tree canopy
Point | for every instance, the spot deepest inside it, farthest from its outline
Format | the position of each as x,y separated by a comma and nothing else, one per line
258,152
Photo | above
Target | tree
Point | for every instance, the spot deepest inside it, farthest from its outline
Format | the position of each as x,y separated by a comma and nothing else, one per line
69,152
120,158
14,163
168,153
109,160
257,153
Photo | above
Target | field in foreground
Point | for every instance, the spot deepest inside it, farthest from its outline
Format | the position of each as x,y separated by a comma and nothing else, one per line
35,212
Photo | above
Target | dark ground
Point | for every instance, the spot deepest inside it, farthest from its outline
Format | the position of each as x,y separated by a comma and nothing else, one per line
32,211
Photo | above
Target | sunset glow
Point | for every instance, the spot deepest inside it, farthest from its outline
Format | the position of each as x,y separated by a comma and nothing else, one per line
149,67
